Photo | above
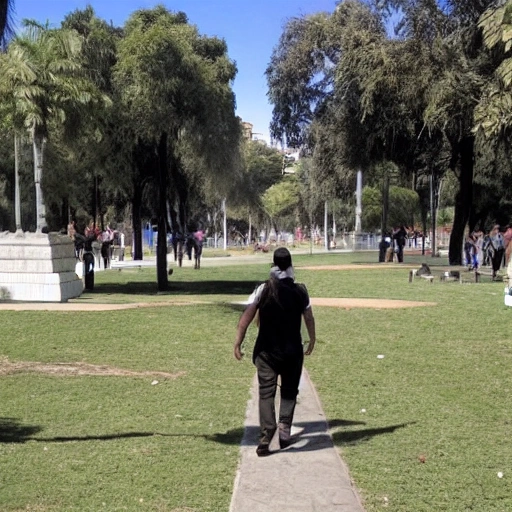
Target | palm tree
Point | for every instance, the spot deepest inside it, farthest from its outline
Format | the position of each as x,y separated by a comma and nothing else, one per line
41,76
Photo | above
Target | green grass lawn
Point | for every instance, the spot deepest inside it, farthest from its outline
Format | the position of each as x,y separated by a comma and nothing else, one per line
431,421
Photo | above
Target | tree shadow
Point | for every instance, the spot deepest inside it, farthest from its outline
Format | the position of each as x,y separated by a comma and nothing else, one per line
109,437
315,438
231,437
178,287
311,436
358,436
12,431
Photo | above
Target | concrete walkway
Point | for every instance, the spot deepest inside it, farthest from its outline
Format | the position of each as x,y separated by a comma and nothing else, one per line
308,476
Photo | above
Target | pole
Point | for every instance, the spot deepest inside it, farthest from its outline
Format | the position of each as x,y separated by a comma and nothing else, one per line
225,226
359,194
249,235
326,234
333,225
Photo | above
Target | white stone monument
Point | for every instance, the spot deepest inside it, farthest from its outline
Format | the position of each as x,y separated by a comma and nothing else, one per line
38,267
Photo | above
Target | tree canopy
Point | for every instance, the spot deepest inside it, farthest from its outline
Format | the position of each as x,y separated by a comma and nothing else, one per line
432,97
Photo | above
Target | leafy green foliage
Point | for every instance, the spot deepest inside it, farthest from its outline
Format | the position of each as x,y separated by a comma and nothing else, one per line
281,199
403,208
42,75
46,91
262,169
173,80
359,97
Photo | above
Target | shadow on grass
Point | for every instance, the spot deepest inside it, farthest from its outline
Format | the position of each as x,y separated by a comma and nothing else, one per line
357,436
181,288
312,435
11,431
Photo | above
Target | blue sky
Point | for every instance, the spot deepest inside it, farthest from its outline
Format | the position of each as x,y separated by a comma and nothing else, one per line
250,28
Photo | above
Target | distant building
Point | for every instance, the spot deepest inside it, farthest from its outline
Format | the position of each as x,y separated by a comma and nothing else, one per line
247,129
250,134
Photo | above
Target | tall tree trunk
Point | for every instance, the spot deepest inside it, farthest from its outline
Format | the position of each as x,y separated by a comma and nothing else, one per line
433,220
38,148
137,222
463,200
17,200
99,205
64,213
161,250
385,207
179,183
249,234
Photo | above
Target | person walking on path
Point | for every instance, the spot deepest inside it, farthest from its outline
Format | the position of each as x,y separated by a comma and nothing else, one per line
497,249
278,351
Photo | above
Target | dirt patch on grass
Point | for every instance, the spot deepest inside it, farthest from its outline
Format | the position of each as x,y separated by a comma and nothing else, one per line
83,306
350,303
346,303
362,266
77,370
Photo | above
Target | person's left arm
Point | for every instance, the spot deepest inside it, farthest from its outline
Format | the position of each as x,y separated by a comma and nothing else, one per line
244,322
309,320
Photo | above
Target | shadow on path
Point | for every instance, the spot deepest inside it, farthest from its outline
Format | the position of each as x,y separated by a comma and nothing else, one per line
312,435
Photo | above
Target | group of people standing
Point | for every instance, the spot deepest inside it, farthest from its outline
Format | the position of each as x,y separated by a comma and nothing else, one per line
488,249
107,238
392,245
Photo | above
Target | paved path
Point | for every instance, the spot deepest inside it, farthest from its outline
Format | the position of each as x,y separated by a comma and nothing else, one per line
309,476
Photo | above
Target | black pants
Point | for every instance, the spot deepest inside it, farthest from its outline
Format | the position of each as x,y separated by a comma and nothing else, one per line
497,260
105,253
400,253
269,368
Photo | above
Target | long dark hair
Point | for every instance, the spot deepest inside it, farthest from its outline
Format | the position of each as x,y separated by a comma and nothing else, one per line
271,292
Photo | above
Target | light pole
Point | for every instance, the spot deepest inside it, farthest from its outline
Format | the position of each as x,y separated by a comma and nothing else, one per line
225,224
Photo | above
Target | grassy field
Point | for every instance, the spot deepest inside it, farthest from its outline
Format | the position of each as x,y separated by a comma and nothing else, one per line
431,420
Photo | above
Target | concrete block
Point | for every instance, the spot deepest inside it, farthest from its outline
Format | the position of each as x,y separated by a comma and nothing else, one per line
38,267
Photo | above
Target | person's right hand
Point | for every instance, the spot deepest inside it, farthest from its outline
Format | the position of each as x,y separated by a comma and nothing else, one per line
309,348
237,352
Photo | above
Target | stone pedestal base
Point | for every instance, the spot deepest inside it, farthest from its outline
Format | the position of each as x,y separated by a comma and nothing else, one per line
38,267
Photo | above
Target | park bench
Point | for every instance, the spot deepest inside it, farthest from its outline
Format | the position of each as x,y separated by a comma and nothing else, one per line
454,274
446,275
132,264
413,273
